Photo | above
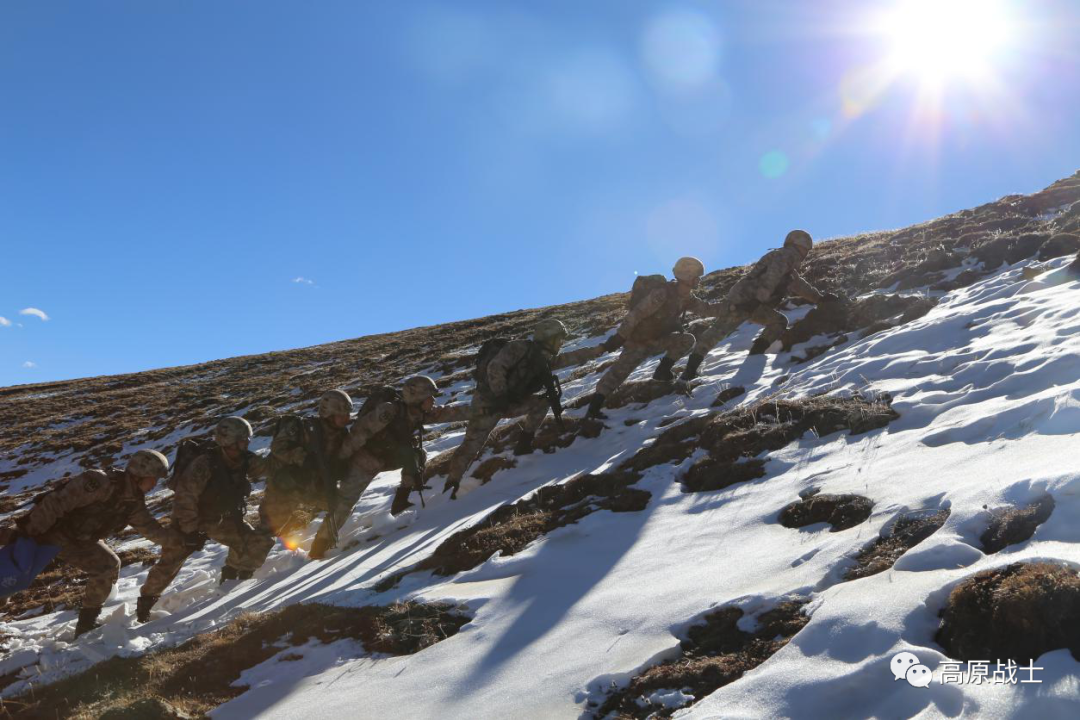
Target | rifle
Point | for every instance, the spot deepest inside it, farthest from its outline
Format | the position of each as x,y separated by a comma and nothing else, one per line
418,462
553,392
329,485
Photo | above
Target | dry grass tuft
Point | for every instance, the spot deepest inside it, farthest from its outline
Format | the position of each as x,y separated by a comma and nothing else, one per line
906,533
714,653
734,439
840,511
1017,612
1009,526
196,677
512,527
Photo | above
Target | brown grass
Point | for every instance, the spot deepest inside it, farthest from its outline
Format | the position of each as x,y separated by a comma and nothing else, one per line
906,533
513,527
1017,612
869,315
735,438
840,511
714,653
196,676
548,439
1012,525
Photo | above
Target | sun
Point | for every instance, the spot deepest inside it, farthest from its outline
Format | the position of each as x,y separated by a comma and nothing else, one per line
940,41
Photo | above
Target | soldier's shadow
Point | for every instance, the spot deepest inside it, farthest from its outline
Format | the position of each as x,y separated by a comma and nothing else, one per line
560,573
750,371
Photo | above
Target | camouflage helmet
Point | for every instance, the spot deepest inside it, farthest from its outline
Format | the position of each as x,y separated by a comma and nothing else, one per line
688,268
799,239
549,329
148,463
232,430
335,402
418,388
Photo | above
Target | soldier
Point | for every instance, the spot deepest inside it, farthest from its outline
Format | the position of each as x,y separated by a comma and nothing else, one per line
756,296
211,484
508,375
81,513
304,467
654,325
388,434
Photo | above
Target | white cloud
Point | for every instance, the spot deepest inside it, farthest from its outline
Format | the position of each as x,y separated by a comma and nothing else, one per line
4,322
303,281
35,312
29,365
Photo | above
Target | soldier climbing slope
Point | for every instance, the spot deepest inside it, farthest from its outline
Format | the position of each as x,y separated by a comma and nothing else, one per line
509,373
304,467
654,325
86,509
211,484
756,296
388,434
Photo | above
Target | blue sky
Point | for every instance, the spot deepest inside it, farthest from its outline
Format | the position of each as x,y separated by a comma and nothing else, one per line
185,181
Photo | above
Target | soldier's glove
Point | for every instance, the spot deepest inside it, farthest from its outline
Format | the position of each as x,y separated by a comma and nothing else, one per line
193,541
613,343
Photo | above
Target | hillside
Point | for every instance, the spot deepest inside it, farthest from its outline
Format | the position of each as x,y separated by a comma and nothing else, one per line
763,547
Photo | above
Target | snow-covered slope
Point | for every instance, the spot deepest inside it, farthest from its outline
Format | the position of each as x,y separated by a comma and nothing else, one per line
987,387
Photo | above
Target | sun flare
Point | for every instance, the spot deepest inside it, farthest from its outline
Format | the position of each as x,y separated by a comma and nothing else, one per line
943,40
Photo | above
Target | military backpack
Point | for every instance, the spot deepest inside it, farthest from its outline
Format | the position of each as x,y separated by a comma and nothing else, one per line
667,319
399,445
526,377
644,285
186,451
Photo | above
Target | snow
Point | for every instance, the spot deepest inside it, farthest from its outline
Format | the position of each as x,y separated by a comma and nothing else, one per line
988,390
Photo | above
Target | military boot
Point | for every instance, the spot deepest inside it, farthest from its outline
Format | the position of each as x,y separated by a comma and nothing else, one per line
227,574
143,606
692,364
87,620
245,574
761,344
595,404
319,547
663,370
524,445
401,501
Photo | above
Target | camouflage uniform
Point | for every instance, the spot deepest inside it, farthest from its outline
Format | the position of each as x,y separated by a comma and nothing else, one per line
488,408
654,326
294,489
370,453
755,297
78,516
210,498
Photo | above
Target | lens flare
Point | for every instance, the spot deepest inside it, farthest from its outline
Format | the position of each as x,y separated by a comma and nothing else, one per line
774,164
682,49
943,40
